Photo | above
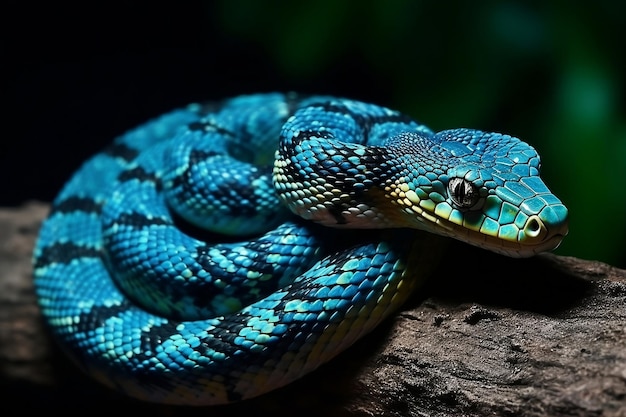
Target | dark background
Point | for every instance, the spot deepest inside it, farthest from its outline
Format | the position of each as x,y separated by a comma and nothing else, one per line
551,73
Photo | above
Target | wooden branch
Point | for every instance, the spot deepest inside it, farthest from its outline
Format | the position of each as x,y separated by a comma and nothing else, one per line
488,335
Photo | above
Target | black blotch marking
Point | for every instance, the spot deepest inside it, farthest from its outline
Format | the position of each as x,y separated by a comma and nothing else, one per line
64,253
366,122
98,315
182,181
198,155
228,190
209,126
150,341
154,337
74,204
139,174
306,135
239,285
139,221
119,150
231,190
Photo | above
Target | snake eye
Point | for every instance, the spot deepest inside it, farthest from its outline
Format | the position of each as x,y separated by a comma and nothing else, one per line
462,192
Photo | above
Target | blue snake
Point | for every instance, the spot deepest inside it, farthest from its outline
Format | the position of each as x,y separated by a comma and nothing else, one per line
226,249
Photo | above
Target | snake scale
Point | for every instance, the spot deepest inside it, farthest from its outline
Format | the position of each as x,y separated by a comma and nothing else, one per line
226,249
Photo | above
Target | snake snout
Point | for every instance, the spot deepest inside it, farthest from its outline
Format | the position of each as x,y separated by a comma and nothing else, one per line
546,229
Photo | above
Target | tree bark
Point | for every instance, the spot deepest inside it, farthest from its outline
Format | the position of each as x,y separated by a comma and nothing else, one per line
488,335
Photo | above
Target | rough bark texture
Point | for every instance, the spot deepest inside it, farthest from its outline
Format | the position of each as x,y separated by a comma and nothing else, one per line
488,335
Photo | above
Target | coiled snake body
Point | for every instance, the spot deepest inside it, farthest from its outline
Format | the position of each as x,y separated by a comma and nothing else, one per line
173,268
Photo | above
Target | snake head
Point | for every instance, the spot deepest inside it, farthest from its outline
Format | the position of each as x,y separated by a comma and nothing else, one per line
481,188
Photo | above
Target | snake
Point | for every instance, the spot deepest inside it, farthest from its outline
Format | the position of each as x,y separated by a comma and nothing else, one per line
226,249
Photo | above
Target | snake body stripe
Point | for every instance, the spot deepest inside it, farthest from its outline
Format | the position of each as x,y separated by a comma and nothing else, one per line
217,252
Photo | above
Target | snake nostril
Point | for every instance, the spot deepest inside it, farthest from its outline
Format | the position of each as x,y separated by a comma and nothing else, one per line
534,227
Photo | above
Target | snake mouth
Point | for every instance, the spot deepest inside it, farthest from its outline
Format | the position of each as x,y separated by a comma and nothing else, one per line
538,233
511,248
535,237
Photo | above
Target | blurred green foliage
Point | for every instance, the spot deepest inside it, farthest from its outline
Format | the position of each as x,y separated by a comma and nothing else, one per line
551,73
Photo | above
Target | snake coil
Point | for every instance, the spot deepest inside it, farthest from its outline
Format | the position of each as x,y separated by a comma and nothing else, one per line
219,251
